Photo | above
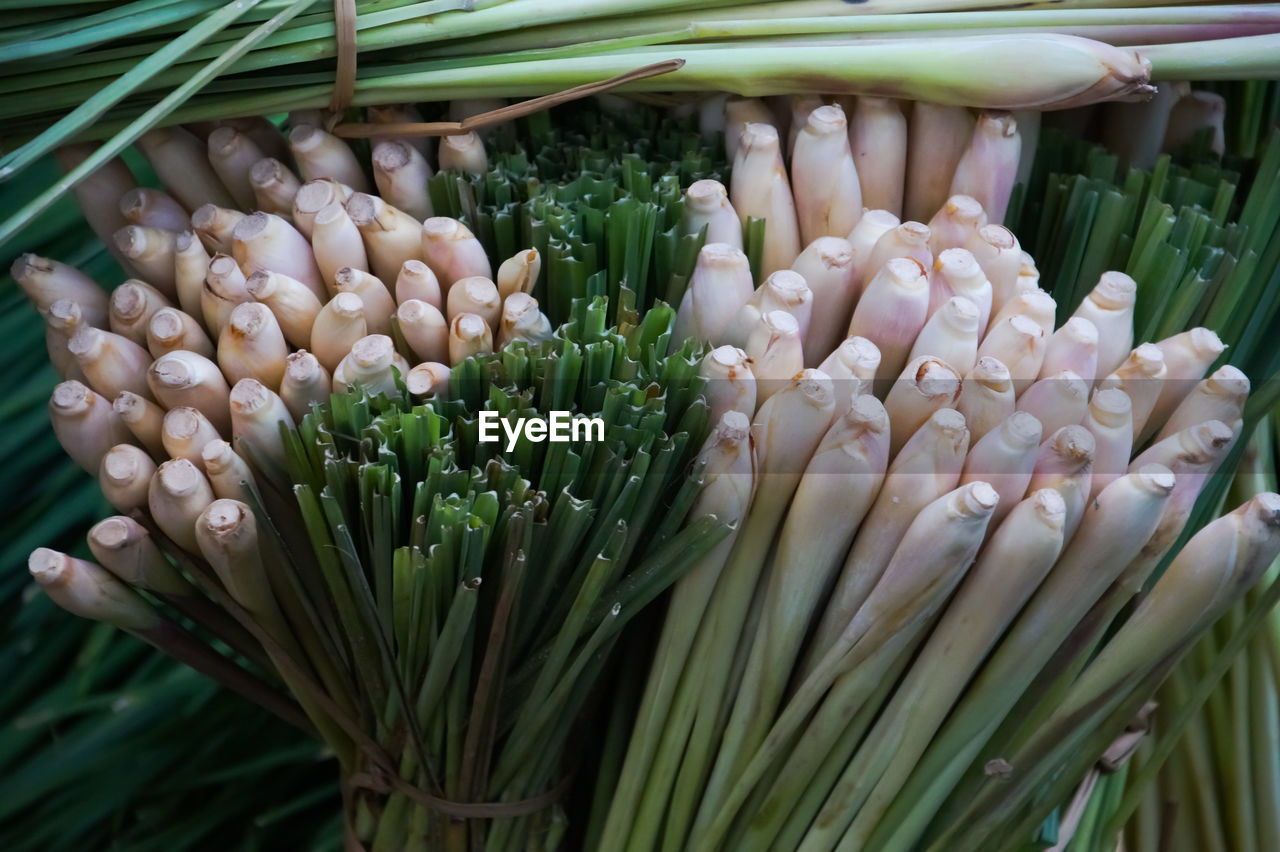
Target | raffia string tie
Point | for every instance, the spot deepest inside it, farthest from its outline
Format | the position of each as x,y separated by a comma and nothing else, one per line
344,77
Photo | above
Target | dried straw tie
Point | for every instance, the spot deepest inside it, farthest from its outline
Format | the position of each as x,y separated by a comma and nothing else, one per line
344,75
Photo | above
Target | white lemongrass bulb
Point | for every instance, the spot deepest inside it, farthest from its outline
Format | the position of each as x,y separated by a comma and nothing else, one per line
951,335
229,475
824,180
124,547
185,433
256,415
1036,305
711,117
1110,421
1028,275
216,226
371,364
110,362
956,223
392,114
852,368
1141,376
1135,131
891,313
1005,457
776,352
706,205
873,225
453,252
910,240
374,295
132,305
1072,347
925,386
61,324
938,136
986,396
427,379
424,329
170,329
181,162
265,241
233,155
730,384
997,251
46,281
305,381
190,267
468,335
519,273
86,590
1219,397
784,290
794,116
1208,441
1065,464
1019,343
878,138
719,287
264,133
1194,112
738,113
336,242
152,208
1058,400
151,252
1188,357
274,187
956,273
827,267
293,303
391,236
85,424
340,323
100,191
144,419
988,168
312,197
185,378
179,492
1109,306
475,295
401,173
463,152
253,346
323,155
417,281
759,190
522,320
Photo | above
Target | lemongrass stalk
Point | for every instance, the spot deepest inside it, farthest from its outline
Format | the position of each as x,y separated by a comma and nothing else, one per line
468,335
312,197
989,165
926,468
216,226
185,433
937,138
873,225
475,295
233,155
99,192
85,589
323,155
1019,343
1005,458
299,117
518,273
792,112
957,273
340,323
171,329
522,320
827,267
178,493
144,419
424,329
909,240
1036,305
253,346
711,115
181,162
293,304
401,172
256,415
997,251
986,396
1028,275
416,281
1219,397
306,382
462,152
951,335
1110,421
852,367
730,384
892,310
878,138
1072,347
706,205
1018,556
776,352
374,295
274,187
124,475
131,307
784,290
46,281
151,252
427,379
1141,377
1194,112
112,363
60,325
738,113
1187,357
229,475
1135,131
1058,400
1109,306
190,266
264,133
1113,530
370,365
828,198
759,190
265,241
398,114
185,378
391,236
956,224
336,243
1065,464
124,547
151,208
718,289
925,386
452,252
